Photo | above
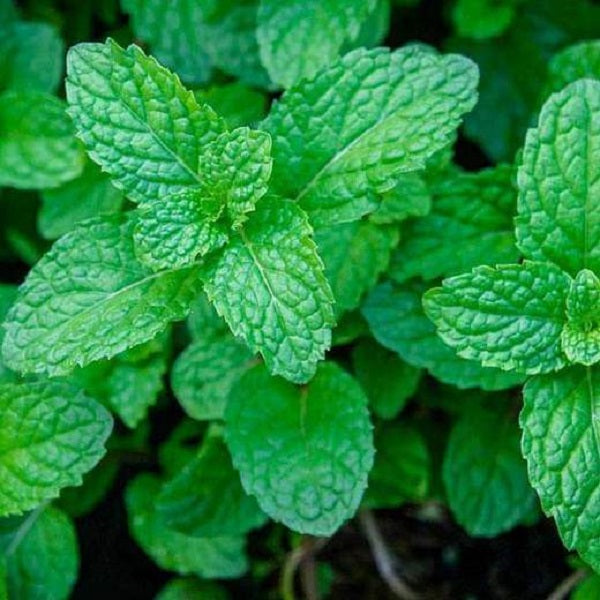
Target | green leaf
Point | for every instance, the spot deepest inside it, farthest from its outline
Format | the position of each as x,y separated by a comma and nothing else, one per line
559,181
41,554
8,293
37,145
50,435
172,29
561,442
397,321
480,19
207,557
90,195
355,254
174,230
581,334
309,471
236,103
471,221
297,39
575,62
484,474
268,284
203,321
408,198
137,120
204,373
206,497
416,99
192,589
33,56
388,381
89,299
509,317
588,589
402,468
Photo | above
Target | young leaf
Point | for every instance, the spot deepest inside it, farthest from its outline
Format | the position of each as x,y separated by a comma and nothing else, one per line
212,557
89,299
388,381
204,373
509,317
559,181
299,38
50,435
90,195
206,497
402,467
575,62
581,334
41,554
37,145
416,99
561,442
485,475
471,221
137,120
354,254
268,284
397,321
311,470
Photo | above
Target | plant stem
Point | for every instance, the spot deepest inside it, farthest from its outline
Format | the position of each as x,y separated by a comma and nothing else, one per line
565,587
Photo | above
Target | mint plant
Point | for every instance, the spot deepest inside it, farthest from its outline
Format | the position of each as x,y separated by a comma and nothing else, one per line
265,305
541,317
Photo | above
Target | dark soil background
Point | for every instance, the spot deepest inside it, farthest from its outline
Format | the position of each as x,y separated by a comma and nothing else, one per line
435,556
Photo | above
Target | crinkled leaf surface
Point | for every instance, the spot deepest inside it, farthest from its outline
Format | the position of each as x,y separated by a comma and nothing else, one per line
509,317
41,554
206,497
50,435
137,120
559,181
309,471
37,145
355,254
575,62
268,284
346,135
397,321
484,474
471,221
561,442
410,197
89,298
205,557
298,38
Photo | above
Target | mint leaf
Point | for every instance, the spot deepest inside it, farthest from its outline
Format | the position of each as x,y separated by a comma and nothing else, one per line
37,146
8,293
88,299
402,469
311,470
137,120
50,435
574,62
41,554
206,497
397,321
408,198
207,557
298,39
268,284
509,317
471,221
481,19
416,99
172,30
32,56
559,181
581,334
485,476
588,589
204,373
355,254
561,442
90,195
203,321
192,589
388,381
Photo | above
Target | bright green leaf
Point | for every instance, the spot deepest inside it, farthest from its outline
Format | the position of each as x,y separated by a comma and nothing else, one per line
574,62
480,19
236,103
